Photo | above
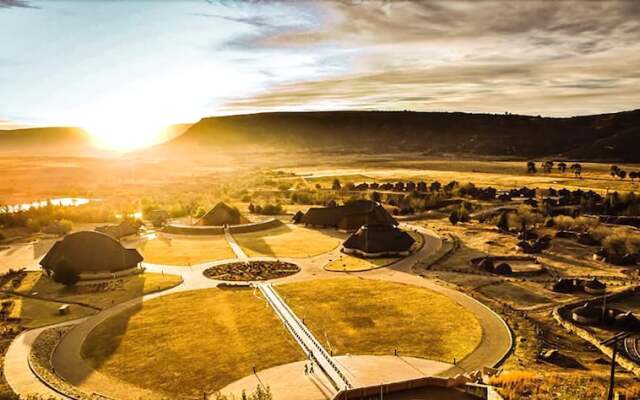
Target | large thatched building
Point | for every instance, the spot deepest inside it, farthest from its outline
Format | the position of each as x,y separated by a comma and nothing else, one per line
378,241
222,214
92,255
125,228
350,216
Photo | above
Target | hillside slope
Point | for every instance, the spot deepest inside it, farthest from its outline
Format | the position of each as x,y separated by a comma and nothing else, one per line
45,141
596,137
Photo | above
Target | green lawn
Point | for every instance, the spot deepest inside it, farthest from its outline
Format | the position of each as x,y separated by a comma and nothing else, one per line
187,343
362,316
289,241
185,250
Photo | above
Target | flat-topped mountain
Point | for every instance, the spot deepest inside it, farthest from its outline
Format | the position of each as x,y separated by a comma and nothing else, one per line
597,137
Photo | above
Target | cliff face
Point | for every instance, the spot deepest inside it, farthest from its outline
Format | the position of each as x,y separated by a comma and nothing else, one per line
606,136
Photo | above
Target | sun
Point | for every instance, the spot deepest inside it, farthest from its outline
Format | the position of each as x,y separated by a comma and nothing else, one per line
124,135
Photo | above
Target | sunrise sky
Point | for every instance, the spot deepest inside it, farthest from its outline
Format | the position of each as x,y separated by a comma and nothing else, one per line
102,64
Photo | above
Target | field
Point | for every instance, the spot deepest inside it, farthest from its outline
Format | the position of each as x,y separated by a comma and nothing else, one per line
35,312
499,174
349,263
185,250
359,316
203,340
289,241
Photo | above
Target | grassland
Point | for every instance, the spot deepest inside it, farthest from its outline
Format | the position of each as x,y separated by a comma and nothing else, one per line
39,311
500,174
349,263
185,250
289,241
359,316
231,330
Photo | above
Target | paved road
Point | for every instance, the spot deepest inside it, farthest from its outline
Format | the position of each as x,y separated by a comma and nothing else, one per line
495,343
309,344
234,245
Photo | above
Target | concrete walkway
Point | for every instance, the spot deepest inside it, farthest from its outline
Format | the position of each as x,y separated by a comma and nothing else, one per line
495,343
309,344
237,250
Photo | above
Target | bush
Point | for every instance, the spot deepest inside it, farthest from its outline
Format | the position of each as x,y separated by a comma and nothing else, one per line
65,274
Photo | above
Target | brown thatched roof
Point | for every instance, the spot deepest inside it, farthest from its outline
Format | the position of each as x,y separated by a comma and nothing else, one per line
379,239
297,217
222,214
350,216
88,251
125,228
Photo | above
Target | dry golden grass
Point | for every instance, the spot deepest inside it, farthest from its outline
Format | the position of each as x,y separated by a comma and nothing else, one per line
361,316
39,312
289,241
187,343
349,263
185,250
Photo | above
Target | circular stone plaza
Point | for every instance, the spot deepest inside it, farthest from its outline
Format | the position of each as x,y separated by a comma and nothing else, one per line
284,307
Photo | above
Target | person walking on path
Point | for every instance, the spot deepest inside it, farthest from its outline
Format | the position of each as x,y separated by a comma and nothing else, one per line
306,369
311,368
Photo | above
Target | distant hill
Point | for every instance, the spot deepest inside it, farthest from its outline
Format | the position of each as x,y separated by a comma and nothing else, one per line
56,141
595,137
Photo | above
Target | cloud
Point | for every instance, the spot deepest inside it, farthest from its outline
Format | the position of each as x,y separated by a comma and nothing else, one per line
16,3
529,57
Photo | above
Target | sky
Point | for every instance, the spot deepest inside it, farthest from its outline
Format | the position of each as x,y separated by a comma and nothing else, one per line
123,69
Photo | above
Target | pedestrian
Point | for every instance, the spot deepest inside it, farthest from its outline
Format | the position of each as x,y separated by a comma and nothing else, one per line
306,369
311,368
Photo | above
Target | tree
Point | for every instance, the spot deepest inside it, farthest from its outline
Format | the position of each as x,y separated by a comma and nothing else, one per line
453,217
562,167
577,169
531,167
375,196
614,170
65,274
503,222
336,184
252,208
633,175
547,166
350,186
622,174
435,186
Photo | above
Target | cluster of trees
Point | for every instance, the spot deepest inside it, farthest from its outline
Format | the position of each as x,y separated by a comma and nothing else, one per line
547,167
266,209
461,214
617,172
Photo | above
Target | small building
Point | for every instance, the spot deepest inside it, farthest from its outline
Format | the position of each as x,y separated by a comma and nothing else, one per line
587,314
222,214
93,255
297,217
383,240
503,269
350,216
594,286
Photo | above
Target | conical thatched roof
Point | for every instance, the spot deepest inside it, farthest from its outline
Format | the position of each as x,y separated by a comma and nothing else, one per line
376,239
88,251
222,214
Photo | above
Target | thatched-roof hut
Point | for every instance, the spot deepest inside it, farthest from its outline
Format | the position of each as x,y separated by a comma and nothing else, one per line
378,241
297,217
125,228
350,216
503,269
90,252
222,214
587,314
594,286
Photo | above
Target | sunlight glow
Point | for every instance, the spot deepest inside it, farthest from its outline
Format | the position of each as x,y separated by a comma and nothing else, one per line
125,135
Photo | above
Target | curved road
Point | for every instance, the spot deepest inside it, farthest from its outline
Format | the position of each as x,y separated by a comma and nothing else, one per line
496,340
